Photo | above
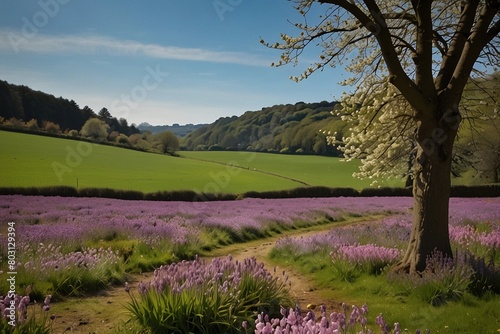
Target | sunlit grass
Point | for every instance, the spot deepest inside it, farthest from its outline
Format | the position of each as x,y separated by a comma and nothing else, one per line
38,161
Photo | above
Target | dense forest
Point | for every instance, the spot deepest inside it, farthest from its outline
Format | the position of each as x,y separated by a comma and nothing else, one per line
177,129
25,104
289,128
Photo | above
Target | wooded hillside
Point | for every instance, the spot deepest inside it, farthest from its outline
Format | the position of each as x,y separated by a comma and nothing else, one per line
289,128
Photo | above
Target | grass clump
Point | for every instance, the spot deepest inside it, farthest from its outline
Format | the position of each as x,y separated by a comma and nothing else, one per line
47,270
195,297
449,279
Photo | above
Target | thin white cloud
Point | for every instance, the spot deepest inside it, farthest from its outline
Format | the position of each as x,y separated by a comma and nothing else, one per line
16,42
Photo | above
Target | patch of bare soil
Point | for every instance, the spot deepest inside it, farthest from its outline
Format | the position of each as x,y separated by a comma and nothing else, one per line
105,312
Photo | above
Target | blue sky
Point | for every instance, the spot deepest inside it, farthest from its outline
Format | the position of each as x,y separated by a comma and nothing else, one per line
161,62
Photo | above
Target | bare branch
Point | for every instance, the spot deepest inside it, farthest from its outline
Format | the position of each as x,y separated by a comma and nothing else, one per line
423,58
473,47
451,58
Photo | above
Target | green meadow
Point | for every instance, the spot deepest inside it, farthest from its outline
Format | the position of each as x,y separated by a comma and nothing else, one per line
311,169
38,161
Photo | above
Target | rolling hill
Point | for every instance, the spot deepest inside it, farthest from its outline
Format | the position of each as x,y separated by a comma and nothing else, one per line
290,128
37,161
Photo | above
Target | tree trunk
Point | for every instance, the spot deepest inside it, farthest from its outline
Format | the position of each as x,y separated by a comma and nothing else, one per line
431,193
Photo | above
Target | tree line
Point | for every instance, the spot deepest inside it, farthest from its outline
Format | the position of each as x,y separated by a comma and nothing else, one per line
35,111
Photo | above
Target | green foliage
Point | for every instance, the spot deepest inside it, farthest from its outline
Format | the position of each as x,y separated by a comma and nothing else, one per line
22,104
207,308
144,258
81,281
29,327
281,128
191,311
95,128
167,142
344,271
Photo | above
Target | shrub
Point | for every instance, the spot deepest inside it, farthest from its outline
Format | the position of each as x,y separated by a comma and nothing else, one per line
175,195
14,123
122,139
111,193
95,128
319,191
492,190
51,127
304,192
486,277
32,125
386,191
73,133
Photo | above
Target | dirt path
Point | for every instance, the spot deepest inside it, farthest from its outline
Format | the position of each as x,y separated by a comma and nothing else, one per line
106,312
303,289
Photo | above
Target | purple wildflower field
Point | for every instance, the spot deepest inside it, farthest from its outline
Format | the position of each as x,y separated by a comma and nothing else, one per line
474,226
69,233
67,220
60,221
52,234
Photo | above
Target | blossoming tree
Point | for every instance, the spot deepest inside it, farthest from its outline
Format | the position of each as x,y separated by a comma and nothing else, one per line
410,62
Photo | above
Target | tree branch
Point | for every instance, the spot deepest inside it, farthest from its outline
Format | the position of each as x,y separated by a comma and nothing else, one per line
457,43
480,36
379,28
493,31
423,58
440,43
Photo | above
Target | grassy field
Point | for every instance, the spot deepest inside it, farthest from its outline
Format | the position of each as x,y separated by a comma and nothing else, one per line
30,160
311,169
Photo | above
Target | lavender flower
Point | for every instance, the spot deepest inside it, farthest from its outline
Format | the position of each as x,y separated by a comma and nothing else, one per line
46,303
292,322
